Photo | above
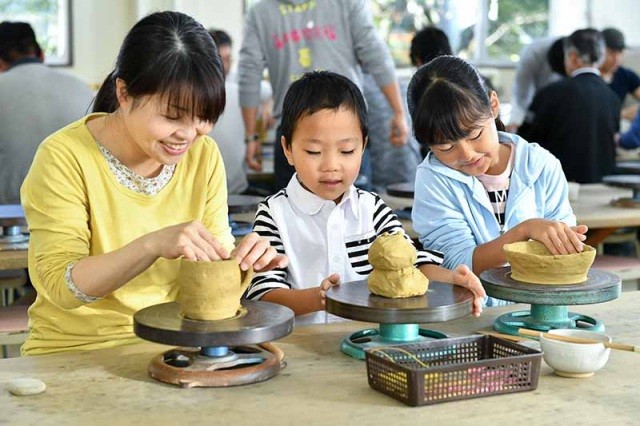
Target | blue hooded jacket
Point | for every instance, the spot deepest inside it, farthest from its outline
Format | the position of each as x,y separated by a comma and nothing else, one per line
452,213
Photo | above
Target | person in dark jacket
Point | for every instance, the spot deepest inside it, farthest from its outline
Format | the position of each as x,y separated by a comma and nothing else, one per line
577,118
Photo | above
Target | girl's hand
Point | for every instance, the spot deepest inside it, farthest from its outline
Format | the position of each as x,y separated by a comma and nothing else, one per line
558,237
463,277
327,283
255,251
190,240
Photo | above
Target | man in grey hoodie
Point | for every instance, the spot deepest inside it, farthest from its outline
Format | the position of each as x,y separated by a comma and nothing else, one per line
291,37
35,101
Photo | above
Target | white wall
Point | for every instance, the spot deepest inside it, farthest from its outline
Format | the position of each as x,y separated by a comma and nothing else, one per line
98,30
100,26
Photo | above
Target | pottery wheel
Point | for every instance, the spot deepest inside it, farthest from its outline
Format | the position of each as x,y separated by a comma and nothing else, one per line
11,220
401,190
600,286
549,302
442,302
243,203
625,181
256,322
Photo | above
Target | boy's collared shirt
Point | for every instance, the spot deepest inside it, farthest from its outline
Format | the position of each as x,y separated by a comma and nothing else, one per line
322,238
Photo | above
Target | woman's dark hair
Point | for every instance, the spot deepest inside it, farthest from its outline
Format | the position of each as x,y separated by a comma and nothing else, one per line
447,98
171,55
319,90
429,43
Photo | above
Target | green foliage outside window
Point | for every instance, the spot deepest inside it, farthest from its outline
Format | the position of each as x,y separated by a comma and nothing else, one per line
510,25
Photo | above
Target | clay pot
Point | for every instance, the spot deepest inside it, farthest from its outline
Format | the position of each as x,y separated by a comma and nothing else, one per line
531,262
211,291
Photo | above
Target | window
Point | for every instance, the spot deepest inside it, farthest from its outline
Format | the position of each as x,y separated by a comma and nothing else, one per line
487,32
51,21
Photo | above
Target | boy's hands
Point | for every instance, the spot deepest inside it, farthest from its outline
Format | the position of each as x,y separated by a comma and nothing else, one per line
558,237
463,277
331,281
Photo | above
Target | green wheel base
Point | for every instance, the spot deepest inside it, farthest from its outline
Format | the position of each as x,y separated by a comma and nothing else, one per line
545,318
387,335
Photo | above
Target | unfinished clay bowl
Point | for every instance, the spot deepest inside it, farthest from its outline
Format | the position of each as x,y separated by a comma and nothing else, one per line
211,291
531,262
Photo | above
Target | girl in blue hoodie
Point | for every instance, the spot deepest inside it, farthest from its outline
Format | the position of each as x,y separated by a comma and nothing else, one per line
480,188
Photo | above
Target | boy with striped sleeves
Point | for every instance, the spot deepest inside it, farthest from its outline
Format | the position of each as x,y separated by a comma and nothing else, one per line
321,221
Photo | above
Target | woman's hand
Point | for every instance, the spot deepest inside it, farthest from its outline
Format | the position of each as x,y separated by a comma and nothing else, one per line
255,251
558,237
463,277
190,240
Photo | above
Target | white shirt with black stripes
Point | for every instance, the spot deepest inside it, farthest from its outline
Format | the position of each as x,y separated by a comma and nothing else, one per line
322,238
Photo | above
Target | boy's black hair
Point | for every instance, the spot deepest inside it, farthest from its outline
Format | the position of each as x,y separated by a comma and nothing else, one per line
318,90
171,55
447,98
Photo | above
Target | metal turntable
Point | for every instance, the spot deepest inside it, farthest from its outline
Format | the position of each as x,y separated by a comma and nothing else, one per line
215,353
241,204
12,220
399,319
549,302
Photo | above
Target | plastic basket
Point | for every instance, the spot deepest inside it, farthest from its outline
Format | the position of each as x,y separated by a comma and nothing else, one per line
452,369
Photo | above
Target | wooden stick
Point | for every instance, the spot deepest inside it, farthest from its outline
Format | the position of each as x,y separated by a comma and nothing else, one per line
502,336
572,339
271,347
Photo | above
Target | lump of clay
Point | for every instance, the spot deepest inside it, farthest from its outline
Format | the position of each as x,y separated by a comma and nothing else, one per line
210,291
392,257
26,386
531,262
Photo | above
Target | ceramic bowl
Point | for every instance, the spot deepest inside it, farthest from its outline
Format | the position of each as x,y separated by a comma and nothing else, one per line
575,359
531,262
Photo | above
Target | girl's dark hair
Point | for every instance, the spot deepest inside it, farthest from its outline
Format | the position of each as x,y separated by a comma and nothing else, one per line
171,55
447,98
318,90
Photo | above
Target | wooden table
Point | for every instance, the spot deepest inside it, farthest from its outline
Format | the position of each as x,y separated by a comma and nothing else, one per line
13,259
593,208
319,386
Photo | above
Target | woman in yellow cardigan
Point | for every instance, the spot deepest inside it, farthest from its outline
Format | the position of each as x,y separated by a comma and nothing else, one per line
115,198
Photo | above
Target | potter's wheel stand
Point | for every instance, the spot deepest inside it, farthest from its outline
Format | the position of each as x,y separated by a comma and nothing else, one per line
11,221
224,357
399,319
241,204
625,181
549,302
